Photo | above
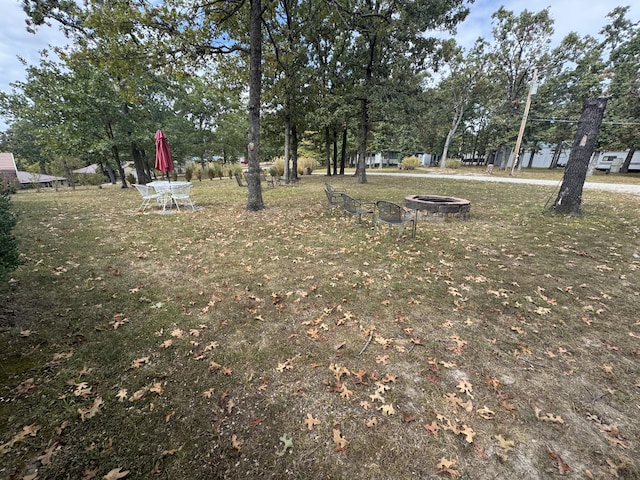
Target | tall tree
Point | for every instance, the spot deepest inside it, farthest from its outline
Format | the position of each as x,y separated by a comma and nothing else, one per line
461,85
520,46
569,199
390,37
622,44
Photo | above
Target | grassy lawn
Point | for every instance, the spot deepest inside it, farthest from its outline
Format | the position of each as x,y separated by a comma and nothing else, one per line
293,343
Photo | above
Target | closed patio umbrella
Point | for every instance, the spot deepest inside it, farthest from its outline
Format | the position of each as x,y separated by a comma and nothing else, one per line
163,154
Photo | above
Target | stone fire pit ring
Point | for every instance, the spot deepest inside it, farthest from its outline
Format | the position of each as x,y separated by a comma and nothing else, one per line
436,205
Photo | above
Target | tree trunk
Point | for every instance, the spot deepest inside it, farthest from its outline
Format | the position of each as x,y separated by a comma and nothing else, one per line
294,154
556,156
335,152
254,199
627,161
361,172
143,176
447,142
116,156
569,200
327,149
343,153
287,137
533,154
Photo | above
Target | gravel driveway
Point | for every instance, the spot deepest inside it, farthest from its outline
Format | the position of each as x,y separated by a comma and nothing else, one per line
613,187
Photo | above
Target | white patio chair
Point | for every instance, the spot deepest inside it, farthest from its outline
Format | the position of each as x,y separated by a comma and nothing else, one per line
164,190
148,193
181,195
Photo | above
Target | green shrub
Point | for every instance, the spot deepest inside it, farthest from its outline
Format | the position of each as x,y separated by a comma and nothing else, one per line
215,170
306,165
453,163
410,163
278,166
8,245
131,179
188,173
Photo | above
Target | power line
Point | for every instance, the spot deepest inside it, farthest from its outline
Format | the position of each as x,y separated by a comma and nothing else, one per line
560,120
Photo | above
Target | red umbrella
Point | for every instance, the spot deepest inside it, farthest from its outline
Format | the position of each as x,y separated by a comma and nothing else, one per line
163,154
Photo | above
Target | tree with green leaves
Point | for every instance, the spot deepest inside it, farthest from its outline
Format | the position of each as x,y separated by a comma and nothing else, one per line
387,44
460,87
622,47
521,45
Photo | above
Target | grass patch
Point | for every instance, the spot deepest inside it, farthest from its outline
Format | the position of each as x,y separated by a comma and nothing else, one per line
292,343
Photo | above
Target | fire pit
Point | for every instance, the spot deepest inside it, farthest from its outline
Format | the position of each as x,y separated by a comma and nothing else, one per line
438,205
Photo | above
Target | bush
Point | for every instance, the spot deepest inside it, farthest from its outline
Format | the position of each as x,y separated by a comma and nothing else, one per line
306,165
8,244
131,179
410,163
215,170
188,173
278,166
453,163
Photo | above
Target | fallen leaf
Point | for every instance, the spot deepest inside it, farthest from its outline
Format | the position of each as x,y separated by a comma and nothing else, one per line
45,458
506,445
235,442
449,467
90,412
562,467
115,474
372,422
89,474
485,413
432,428
311,422
288,443
340,442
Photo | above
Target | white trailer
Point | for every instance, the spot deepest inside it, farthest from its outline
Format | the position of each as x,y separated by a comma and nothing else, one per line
612,161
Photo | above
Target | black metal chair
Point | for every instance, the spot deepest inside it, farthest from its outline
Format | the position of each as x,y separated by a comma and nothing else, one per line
334,196
355,207
394,214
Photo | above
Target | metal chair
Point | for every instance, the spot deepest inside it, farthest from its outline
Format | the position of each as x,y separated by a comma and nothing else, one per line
148,194
334,196
181,194
394,214
355,207
239,180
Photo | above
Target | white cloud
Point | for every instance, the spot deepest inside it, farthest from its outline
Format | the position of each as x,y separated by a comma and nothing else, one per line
568,15
16,42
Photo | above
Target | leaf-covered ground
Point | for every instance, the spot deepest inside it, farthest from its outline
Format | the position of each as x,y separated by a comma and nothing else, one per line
293,343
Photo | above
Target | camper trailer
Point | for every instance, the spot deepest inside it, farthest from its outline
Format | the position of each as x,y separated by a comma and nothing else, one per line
612,161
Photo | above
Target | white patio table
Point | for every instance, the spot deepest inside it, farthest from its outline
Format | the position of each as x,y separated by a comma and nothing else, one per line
165,189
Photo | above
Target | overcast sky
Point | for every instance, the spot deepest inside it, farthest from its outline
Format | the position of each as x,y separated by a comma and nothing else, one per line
569,15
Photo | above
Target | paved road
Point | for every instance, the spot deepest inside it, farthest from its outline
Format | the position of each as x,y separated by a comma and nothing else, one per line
613,187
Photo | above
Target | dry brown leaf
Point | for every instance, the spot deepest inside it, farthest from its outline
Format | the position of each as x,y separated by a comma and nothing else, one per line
432,428
449,467
506,445
138,362
122,395
486,413
236,442
311,422
89,474
115,474
562,467
90,412
138,395
45,458
372,422
25,386
340,442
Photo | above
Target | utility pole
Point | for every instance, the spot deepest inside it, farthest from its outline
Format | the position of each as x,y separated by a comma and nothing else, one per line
533,88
